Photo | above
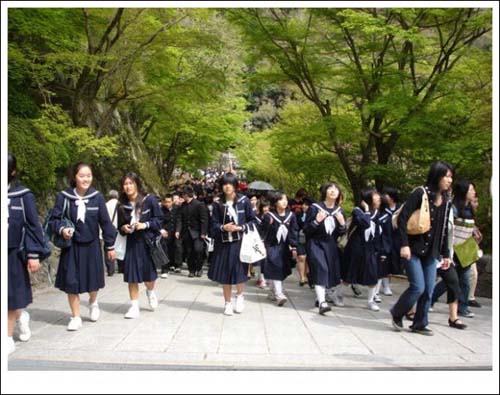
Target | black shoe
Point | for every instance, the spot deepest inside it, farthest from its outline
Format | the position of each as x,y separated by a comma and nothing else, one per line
191,274
422,331
456,324
301,283
397,323
474,303
356,291
324,308
178,270
199,273
316,304
110,274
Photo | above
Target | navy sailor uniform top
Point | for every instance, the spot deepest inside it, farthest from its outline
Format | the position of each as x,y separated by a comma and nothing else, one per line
221,217
19,198
96,214
317,230
271,223
150,213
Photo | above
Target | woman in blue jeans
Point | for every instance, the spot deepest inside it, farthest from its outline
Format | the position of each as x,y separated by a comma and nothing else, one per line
422,253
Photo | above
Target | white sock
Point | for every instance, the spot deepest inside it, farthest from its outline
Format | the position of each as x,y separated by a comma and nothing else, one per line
386,283
261,276
278,287
94,303
320,293
371,293
377,287
134,303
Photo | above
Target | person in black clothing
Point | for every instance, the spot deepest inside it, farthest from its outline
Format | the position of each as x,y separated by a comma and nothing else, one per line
422,252
192,228
170,214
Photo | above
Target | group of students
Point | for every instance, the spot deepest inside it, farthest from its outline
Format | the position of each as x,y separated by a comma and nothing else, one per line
311,235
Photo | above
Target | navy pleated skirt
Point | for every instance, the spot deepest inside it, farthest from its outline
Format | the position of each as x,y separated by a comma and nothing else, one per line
363,266
19,285
226,267
279,262
324,262
81,268
138,265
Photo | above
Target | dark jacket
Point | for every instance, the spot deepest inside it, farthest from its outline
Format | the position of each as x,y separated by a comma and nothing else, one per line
20,197
193,219
432,243
170,218
96,215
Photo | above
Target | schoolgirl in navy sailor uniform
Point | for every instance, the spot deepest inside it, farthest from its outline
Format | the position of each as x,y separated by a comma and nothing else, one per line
231,217
325,222
139,217
361,249
21,205
81,267
281,232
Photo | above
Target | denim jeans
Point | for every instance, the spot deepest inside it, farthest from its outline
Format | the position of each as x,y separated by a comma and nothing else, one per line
463,276
421,274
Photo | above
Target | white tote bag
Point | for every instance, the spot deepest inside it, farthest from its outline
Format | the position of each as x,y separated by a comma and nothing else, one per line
210,244
120,246
252,247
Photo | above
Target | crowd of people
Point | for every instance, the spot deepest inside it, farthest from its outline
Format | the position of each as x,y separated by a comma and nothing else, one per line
206,220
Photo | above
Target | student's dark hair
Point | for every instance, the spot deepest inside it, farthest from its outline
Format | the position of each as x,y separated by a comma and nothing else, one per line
301,193
308,200
460,190
74,171
392,192
367,196
12,167
168,196
188,190
263,202
325,187
229,178
274,197
140,191
437,171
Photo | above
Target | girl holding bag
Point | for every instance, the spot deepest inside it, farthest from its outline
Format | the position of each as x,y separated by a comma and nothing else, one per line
231,217
139,216
281,230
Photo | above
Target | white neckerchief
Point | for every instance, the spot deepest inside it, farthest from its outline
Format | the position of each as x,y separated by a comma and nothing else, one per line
133,220
329,220
232,212
371,230
81,205
282,232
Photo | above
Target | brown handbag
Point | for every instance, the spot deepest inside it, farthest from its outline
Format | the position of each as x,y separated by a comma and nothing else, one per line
420,220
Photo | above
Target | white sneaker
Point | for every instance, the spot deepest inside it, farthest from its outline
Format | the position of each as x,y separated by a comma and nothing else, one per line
153,300
338,298
387,292
240,304
75,323
271,296
133,312
164,275
11,346
377,299
94,312
373,306
281,300
228,309
24,326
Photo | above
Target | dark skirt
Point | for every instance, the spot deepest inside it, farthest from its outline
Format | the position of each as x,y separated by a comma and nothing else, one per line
138,266
279,262
324,262
363,264
226,267
19,285
301,250
81,268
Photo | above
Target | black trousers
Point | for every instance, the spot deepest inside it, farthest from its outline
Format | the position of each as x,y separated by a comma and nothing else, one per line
193,249
173,249
450,283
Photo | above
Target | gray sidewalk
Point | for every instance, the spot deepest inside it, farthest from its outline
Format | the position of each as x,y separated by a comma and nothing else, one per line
189,331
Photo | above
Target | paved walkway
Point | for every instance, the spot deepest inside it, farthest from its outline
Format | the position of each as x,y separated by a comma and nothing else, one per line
189,331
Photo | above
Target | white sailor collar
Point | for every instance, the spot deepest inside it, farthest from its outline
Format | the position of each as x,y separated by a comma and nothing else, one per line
70,194
17,190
